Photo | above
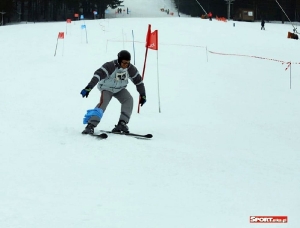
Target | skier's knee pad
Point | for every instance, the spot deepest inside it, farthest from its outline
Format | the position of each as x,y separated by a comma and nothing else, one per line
94,115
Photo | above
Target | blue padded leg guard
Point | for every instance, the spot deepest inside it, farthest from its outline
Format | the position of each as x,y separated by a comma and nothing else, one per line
96,112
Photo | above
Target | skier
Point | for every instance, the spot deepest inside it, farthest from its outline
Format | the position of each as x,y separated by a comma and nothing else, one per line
112,79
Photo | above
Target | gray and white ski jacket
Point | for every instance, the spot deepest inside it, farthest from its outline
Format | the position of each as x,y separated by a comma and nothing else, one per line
112,77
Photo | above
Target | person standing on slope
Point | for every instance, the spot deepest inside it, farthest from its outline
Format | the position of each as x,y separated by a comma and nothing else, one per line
209,15
262,24
112,79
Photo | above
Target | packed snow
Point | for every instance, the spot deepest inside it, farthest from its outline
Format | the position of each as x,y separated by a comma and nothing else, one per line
225,145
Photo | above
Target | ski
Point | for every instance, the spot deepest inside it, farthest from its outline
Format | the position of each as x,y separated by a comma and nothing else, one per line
100,136
147,136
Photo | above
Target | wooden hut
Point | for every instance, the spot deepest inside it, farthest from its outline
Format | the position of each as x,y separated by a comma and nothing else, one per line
244,15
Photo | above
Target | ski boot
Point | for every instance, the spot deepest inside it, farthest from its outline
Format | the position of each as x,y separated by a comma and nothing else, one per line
89,129
121,127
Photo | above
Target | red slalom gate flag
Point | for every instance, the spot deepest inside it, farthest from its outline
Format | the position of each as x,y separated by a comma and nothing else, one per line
68,22
148,35
61,35
152,41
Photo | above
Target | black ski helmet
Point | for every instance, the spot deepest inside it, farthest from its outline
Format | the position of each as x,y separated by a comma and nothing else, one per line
123,55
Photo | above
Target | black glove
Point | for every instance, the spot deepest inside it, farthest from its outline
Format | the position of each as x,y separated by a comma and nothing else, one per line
85,92
143,99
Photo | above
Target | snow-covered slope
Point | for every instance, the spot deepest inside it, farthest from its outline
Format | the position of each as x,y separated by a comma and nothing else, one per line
148,9
225,145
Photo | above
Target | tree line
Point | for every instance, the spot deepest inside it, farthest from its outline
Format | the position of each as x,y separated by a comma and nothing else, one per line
263,9
54,10
59,10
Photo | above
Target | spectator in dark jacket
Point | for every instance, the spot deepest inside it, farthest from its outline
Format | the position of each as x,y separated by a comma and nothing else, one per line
262,24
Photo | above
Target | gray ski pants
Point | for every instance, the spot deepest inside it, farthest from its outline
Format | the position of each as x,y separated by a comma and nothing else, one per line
123,97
